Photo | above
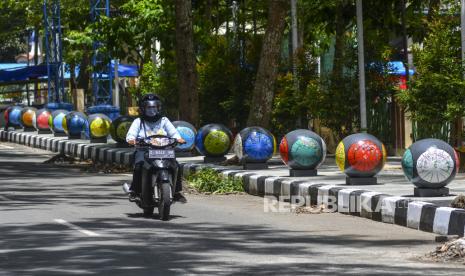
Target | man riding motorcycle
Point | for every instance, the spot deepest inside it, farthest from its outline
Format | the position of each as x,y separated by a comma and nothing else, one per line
150,122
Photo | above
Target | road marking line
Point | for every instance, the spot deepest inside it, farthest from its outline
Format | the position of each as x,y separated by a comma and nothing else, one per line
77,228
6,147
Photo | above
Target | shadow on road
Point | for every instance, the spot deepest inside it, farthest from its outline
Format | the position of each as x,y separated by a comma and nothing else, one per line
153,247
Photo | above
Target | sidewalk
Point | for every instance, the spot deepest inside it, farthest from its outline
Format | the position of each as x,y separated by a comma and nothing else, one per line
390,201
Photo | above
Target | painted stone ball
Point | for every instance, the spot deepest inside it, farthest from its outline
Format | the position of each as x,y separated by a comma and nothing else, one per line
302,149
99,125
74,123
14,116
361,155
55,121
430,163
120,127
254,145
6,113
2,117
27,116
188,133
40,121
213,140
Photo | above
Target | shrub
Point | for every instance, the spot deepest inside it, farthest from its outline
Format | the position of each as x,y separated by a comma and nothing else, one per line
208,180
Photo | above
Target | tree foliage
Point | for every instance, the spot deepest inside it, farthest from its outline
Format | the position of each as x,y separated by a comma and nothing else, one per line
437,92
227,46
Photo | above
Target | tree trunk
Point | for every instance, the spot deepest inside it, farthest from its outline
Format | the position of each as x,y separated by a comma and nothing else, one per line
263,94
72,82
84,74
185,60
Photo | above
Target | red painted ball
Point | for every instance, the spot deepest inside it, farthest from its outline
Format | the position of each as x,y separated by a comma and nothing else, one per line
364,155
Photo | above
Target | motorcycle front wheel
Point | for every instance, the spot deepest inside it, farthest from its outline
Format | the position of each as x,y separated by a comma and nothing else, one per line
165,201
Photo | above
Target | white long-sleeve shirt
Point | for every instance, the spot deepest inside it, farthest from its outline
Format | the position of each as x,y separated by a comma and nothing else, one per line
160,127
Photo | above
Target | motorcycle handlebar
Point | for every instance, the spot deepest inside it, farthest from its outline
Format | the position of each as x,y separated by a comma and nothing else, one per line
143,141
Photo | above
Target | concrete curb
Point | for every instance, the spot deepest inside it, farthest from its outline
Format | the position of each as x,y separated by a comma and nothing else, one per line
102,153
356,202
376,206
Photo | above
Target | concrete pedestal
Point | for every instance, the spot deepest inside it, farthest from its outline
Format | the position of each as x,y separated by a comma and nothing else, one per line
98,140
425,192
254,166
60,134
43,131
361,180
74,137
29,129
301,173
216,159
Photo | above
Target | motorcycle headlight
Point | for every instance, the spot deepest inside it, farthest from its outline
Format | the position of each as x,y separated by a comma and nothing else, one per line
159,163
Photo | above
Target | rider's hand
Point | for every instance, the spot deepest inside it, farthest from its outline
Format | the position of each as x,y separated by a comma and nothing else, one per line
181,141
132,142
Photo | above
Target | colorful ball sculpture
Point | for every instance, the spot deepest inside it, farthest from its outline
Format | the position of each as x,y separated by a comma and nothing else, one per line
55,121
40,121
188,133
430,163
254,145
120,127
6,113
27,116
99,125
14,116
360,155
2,118
302,149
213,140
74,123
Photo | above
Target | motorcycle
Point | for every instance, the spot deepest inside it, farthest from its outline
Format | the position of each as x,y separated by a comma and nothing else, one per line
159,173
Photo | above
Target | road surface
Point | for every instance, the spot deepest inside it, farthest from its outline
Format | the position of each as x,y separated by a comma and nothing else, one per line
61,220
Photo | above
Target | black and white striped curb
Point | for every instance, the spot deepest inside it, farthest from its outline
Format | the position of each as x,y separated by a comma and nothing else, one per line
102,153
357,202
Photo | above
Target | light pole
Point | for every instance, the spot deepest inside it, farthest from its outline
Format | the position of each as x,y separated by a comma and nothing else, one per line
462,33
361,67
294,42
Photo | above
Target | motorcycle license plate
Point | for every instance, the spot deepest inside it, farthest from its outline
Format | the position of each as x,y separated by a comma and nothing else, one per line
161,153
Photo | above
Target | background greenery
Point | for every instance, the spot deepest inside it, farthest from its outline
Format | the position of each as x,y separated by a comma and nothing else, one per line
227,53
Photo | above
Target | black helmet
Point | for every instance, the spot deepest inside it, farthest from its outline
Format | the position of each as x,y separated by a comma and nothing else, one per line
150,107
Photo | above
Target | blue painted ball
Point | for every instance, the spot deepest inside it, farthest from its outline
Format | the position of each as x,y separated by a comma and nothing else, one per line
254,145
55,121
188,133
14,116
74,123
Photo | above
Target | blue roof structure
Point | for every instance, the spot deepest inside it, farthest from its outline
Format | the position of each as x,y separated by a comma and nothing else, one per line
22,73
14,72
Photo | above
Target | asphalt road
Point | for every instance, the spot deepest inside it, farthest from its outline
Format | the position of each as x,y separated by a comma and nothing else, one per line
59,220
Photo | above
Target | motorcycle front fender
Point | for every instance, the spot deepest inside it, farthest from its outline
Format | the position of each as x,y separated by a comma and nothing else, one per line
164,176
